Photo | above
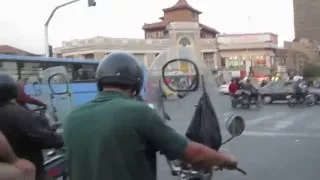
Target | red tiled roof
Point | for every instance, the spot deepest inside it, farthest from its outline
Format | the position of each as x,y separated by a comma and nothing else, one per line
5,49
205,27
181,4
161,24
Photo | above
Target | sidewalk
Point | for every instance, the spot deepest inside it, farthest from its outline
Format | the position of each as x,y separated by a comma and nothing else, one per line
8,172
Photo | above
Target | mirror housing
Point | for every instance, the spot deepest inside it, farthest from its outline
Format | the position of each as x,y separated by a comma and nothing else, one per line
61,80
235,125
179,81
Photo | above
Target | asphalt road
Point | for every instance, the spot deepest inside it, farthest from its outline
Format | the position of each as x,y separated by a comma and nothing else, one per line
279,142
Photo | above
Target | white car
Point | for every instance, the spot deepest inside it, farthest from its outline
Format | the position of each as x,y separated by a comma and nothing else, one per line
224,89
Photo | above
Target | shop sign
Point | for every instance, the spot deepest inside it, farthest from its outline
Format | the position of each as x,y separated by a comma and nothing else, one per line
282,69
248,38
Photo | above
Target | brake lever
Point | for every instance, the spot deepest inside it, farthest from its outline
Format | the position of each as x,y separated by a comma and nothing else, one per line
237,169
241,170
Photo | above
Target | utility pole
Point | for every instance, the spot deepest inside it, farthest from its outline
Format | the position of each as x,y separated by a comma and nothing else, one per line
46,25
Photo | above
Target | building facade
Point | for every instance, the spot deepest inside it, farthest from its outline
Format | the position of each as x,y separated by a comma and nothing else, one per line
242,52
232,54
306,19
296,54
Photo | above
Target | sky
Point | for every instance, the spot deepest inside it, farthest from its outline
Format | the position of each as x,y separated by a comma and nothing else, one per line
22,21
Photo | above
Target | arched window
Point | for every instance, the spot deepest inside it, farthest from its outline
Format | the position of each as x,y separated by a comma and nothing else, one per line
184,42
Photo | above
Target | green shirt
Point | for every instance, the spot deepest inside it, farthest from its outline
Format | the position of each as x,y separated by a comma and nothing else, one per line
116,138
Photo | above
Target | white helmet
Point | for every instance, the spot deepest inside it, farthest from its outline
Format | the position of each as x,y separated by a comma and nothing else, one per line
296,78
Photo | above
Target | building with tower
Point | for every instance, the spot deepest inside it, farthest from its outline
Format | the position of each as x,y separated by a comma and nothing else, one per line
306,19
180,25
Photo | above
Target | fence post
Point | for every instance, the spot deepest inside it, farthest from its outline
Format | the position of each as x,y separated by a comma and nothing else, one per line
8,172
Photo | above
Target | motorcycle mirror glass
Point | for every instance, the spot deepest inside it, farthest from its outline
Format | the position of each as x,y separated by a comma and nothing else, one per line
181,75
36,88
235,125
58,84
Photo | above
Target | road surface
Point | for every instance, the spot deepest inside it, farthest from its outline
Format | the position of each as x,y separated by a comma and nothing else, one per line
279,142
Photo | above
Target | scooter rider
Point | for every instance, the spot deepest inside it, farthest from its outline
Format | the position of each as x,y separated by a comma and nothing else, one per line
116,137
24,132
24,99
249,87
233,87
300,88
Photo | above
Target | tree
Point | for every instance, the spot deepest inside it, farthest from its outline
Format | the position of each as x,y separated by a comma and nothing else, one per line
311,70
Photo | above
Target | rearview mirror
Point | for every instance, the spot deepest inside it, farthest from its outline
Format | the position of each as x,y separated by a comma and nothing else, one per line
181,75
235,125
37,88
58,84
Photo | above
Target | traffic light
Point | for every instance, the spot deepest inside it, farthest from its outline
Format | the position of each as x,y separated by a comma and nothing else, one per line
91,3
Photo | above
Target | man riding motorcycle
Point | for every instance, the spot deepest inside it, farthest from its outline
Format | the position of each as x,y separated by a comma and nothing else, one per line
116,137
25,133
24,99
233,87
250,88
300,89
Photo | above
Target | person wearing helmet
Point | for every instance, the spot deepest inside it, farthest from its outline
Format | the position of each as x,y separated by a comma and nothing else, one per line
300,88
25,133
249,87
116,137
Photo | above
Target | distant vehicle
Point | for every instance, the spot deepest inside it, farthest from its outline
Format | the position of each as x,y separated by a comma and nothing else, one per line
277,91
224,88
81,72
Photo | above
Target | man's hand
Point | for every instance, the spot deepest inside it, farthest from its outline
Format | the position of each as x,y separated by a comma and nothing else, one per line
230,163
25,166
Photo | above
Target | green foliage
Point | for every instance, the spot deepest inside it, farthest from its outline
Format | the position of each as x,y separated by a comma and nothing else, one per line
311,70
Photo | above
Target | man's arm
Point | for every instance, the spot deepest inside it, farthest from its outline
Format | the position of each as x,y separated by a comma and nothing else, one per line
23,97
36,133
6,152
176,146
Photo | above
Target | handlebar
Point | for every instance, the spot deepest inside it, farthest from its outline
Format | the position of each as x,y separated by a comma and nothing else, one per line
177,169
236,169
192,172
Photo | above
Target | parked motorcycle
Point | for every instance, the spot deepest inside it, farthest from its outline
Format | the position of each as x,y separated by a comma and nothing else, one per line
294,99
245,100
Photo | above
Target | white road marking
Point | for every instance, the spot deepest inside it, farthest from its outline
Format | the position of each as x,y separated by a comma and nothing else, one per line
282,124
264,118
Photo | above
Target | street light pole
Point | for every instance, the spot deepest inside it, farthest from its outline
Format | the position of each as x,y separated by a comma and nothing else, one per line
46,25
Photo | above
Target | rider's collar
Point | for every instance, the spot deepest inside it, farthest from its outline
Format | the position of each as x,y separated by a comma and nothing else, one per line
110,94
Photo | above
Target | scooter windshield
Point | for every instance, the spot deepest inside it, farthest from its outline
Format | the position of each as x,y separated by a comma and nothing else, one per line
177,103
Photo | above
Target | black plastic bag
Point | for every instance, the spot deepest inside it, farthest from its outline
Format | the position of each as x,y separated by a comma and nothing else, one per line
204,127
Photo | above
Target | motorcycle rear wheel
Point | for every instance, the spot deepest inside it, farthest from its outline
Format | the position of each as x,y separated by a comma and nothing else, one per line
310,101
